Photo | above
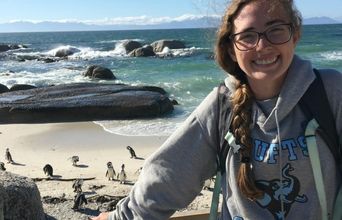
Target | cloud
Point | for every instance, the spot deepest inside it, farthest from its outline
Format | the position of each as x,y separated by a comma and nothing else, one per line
132,20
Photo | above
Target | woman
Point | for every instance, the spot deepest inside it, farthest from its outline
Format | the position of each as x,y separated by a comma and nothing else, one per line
255,46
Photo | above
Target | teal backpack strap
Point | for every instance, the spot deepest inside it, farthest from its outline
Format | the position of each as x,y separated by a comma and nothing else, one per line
224,121
317,171
229,137
337,207
316,165
215,197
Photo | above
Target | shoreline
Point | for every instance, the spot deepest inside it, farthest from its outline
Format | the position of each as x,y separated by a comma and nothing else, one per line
56,143
34,145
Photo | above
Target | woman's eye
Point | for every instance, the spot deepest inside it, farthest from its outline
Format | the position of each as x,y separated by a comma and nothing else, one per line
246,37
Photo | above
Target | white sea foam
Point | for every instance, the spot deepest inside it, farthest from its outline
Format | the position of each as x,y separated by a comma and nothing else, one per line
89,53
58,76
334,55
119,48
184,52
148,127
115,41
71,49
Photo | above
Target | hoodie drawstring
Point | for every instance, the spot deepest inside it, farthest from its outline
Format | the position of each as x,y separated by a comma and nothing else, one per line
280,161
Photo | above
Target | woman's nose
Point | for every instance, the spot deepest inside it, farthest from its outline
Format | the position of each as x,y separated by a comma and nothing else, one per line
262,43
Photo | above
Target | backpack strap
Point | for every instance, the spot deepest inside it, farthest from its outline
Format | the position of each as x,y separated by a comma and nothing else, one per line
314,103
225,119
310,137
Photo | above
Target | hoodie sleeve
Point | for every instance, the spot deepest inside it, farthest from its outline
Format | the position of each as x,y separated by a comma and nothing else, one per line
174,175
332,80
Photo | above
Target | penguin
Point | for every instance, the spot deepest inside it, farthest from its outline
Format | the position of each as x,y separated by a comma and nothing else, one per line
8,156
74,160
79,200
132,152
110,171
122,175
77,185
2,166
207,183
48,170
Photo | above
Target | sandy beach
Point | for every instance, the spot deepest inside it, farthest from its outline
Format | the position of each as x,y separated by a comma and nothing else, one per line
34,145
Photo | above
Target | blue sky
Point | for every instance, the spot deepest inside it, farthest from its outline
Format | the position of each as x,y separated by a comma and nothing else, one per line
120,10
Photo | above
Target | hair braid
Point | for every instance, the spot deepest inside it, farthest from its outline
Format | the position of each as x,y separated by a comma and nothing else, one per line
242,107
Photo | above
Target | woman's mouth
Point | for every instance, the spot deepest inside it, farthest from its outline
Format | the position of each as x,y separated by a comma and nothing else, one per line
266,61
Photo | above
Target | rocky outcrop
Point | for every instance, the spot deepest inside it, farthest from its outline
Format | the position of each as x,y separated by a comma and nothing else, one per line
131,45
83,102
159,45
6,47
99,72
17,87
65,51
145,51
3,88
20,198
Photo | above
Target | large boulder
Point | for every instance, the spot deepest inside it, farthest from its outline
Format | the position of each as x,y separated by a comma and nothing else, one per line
159,45
17,87
20,198
3,88
65,51
145,51
99,72
6,47
130,45
83,102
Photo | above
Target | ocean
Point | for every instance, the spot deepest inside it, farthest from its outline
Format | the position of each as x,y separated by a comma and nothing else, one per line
188,75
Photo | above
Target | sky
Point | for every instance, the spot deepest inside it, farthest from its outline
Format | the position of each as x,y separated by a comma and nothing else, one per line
121,10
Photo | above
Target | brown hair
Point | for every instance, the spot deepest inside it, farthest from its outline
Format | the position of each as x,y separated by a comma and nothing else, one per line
243,97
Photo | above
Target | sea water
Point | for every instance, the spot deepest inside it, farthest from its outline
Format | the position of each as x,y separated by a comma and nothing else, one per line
188,74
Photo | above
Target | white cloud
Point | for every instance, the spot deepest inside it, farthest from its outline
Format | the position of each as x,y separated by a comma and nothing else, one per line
134,20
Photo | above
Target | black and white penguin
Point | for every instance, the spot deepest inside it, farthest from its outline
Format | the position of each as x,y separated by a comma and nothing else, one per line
207,183
110,171
74,160
132,152
122,175
2,166
8,156
77,185
79,201
48,170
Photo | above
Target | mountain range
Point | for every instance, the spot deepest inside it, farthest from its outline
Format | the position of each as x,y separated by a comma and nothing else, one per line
187,22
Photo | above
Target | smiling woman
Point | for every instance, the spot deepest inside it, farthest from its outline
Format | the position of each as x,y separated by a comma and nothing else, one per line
268,172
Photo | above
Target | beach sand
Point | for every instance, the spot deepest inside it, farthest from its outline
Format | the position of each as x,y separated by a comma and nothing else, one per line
34,145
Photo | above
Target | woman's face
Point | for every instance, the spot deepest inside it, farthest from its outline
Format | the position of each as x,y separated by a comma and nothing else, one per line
265,63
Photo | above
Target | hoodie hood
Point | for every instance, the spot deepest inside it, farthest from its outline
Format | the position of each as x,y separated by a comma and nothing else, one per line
297,81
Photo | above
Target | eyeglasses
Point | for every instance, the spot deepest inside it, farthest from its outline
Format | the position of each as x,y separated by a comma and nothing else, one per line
277,34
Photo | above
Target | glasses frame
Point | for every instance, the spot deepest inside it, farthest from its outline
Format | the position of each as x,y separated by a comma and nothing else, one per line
260,34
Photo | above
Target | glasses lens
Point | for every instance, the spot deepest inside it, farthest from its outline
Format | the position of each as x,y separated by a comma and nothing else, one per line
279,34
246,40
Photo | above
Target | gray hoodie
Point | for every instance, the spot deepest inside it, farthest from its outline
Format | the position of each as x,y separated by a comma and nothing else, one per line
173,176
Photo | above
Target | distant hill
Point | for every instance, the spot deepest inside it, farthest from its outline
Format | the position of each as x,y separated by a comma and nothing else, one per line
183,22
320,20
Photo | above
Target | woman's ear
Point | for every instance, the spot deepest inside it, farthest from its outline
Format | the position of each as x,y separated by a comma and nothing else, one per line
231,52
